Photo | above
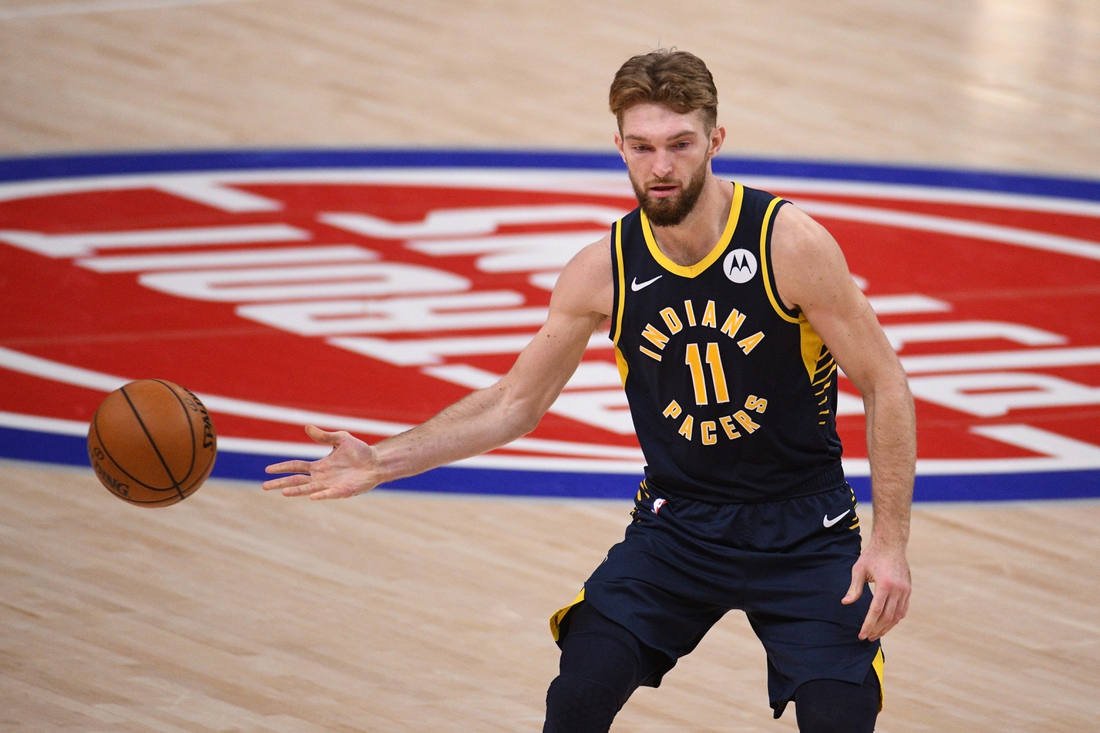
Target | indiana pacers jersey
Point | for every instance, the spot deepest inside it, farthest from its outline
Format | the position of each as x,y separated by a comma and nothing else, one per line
733,395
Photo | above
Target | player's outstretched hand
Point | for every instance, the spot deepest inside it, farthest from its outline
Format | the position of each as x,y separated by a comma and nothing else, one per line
889,571
348,470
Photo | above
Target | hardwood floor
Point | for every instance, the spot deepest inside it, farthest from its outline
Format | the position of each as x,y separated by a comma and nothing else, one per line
238,610
990,83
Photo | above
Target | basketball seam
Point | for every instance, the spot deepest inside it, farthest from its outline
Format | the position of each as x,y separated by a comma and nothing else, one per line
127,474
153,443
190,427
120,467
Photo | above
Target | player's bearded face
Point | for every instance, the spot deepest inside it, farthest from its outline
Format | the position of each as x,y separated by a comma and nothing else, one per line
670,211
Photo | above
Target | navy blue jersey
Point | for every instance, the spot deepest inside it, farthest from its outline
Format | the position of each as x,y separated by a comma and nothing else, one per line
733,395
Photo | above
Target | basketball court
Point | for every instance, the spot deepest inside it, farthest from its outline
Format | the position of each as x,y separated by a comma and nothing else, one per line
353,214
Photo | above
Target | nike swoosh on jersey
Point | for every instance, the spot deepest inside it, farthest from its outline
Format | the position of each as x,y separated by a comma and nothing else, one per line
830,522
636,286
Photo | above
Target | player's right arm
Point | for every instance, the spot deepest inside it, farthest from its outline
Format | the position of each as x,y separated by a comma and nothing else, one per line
486,419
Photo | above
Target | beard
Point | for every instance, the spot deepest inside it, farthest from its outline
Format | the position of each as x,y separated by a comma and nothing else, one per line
668,212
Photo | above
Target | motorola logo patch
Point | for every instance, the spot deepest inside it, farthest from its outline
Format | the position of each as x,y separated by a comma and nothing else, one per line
740,265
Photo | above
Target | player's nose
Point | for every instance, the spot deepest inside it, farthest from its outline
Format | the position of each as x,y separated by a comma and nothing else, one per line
662,164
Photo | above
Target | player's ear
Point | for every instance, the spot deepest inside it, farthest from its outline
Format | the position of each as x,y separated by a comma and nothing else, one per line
619,146
717,137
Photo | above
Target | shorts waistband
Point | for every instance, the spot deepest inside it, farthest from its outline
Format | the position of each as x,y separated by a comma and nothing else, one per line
828,480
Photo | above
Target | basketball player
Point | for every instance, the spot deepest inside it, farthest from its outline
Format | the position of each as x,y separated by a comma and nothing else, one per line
731,311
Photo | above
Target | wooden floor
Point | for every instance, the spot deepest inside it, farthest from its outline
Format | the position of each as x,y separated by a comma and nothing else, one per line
242,611
1006,84
239,610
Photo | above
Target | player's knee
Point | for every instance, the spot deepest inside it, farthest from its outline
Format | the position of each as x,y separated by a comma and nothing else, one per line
832,706
577,704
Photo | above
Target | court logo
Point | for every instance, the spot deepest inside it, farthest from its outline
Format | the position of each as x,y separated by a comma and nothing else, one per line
367,294
740,266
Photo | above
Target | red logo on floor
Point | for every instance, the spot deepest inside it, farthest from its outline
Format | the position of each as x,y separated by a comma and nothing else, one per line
369,299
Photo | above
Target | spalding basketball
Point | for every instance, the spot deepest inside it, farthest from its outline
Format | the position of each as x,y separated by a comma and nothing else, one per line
152,443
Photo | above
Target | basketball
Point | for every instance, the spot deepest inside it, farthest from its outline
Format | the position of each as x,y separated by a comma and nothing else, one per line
152,443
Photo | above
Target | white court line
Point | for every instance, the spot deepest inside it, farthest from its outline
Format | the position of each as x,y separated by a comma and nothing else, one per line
604,183
102,6
1068,454
313,451
1061,454
980,361
67,374
1085,248
86,243
235,258
928,194
583,182
225,198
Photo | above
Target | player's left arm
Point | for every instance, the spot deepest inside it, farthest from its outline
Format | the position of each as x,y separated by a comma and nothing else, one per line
811,274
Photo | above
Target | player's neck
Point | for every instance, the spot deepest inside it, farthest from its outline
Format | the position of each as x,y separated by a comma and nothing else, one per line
693,239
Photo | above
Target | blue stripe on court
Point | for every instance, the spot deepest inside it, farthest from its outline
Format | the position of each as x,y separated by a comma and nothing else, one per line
73,450
67,166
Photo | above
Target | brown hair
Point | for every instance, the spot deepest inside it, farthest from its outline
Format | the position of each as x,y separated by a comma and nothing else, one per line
677,79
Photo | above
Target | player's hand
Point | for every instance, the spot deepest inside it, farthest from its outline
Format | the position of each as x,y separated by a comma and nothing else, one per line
888,569
348,470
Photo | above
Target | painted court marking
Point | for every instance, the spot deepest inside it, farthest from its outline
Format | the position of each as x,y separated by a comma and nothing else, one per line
424,281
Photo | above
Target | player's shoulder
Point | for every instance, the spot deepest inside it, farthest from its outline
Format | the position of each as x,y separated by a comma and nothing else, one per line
797,234
586,281
594,258
807,262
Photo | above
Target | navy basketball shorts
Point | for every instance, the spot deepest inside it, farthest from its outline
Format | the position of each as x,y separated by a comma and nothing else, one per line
683,564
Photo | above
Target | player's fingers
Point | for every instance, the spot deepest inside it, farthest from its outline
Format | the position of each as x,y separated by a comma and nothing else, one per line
288,467
904,607
886,620
870,622
278,484
328,494
900,609
326,438
855,590
895,608
307,488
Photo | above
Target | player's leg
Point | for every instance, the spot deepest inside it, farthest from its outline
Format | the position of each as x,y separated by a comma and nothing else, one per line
812,639
601,665
652,611
834,706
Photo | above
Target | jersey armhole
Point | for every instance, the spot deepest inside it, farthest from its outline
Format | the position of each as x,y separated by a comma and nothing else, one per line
787,314
618,279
